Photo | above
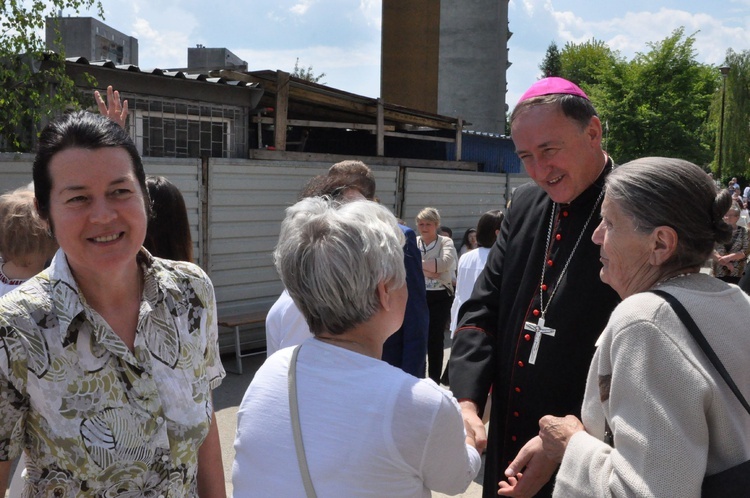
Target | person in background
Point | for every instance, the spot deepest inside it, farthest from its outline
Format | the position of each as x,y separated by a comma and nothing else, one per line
168,232
27,247
730,258
407,347
112,353
737,197
114,108
657,417
395,435
468,242
530,326
438,265
25,241
471,266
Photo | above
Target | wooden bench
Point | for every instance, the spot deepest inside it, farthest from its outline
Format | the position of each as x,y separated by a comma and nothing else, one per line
237,321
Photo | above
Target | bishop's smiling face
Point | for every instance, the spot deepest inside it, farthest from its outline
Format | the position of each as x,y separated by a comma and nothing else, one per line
97,208
561,156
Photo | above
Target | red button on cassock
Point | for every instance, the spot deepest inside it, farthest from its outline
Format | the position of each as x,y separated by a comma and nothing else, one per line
565,214
535,312
516,414
558,237
520,364
513,438
550,262
527,337
544,287
518,389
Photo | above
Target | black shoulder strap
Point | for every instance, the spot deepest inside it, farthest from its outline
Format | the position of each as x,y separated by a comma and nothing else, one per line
687,320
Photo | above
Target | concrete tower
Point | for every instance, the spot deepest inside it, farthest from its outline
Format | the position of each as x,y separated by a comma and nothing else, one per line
448,57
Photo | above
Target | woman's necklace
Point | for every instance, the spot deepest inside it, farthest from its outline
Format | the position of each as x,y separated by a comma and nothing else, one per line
426,248
680,275
539,328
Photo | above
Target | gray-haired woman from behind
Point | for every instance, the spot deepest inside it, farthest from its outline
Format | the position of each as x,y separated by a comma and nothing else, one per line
368,429
657,417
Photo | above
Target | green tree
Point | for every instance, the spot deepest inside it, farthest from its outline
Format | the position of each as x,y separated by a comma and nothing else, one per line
306,73
33,82
658,103
587,63
551,65
736,150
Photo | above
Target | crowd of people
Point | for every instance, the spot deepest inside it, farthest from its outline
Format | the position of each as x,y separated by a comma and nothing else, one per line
582,314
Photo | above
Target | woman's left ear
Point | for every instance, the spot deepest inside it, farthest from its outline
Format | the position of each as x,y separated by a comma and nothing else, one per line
385,296
664,240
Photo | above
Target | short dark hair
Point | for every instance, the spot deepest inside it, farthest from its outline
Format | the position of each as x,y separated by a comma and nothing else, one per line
84,130
465,238
359,176
572,106
168,233
488,223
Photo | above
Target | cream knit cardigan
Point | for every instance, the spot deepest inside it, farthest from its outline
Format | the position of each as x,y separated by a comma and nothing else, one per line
673,417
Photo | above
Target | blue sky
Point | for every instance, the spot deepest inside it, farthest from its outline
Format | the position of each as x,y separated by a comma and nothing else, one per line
341,38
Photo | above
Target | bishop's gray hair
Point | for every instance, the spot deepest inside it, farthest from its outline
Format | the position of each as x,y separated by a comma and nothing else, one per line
331,258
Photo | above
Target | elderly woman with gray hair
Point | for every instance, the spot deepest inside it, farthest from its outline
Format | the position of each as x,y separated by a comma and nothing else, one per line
657,416
355,425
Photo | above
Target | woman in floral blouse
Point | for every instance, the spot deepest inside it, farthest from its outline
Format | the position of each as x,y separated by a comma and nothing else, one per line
729,259
109,356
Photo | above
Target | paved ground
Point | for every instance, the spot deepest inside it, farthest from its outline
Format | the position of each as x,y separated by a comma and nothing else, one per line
228,397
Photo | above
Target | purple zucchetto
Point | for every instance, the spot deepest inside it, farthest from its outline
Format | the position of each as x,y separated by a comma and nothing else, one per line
552,85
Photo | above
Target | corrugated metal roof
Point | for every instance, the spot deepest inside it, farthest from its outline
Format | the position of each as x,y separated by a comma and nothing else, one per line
163,72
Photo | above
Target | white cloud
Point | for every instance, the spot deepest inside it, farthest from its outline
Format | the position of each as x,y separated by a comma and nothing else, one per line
301,7
529,7
632,32
372,12
162,49
322,58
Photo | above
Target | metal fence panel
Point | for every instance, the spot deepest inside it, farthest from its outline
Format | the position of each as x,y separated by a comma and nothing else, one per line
245,202
460,197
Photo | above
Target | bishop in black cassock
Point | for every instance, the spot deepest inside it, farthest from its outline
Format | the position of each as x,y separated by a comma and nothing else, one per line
493,344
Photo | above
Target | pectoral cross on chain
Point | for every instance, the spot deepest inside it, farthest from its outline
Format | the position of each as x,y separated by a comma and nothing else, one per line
539,329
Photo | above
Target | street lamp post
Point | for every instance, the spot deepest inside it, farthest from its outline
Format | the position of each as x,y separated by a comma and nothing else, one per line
724,73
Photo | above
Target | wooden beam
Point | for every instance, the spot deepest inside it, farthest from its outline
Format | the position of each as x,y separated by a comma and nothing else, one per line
322,124
380,130
282,106
415,136
459,134
274,155
367,107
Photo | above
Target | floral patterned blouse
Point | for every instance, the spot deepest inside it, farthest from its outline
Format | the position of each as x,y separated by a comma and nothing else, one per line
738,243
95,418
